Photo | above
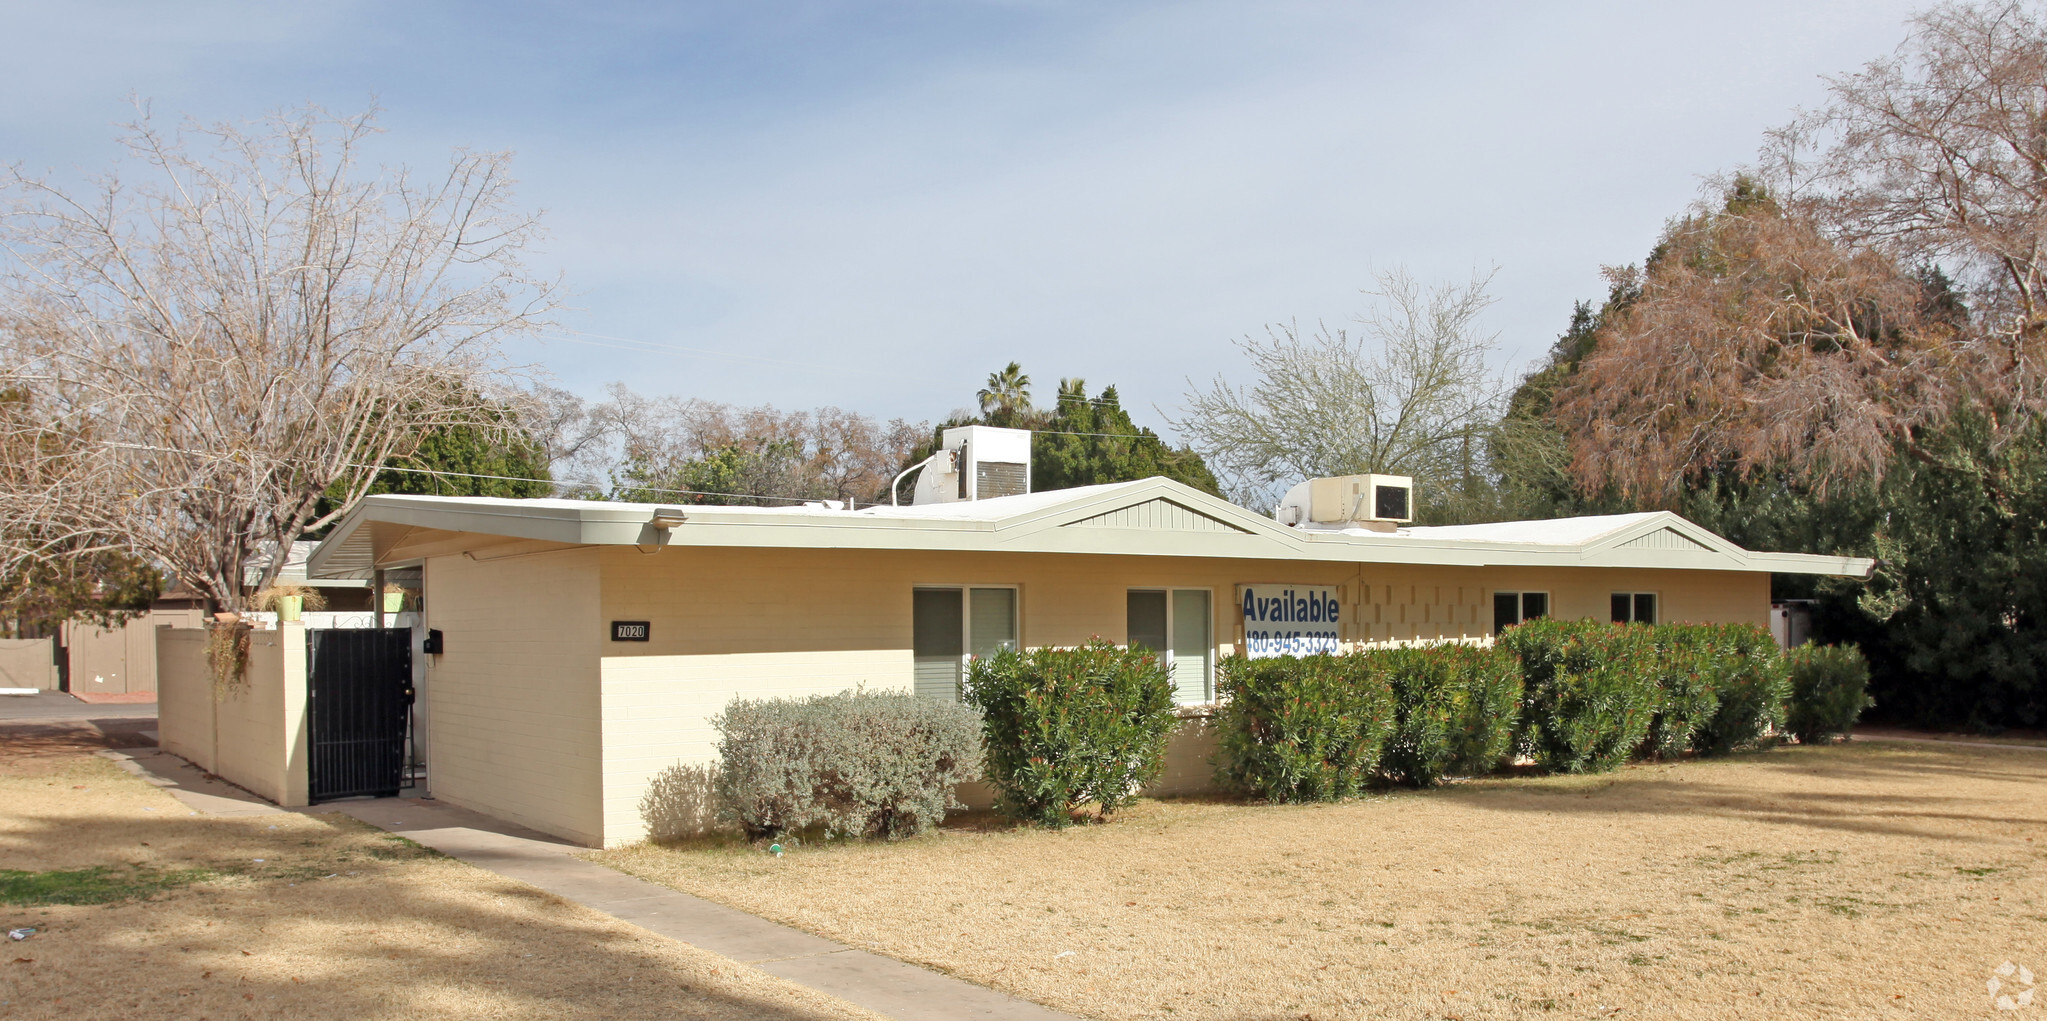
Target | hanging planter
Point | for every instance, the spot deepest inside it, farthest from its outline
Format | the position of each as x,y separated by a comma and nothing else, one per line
227,653
394,601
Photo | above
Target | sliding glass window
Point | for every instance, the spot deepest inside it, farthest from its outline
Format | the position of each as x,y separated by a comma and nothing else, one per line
952,624
1179,624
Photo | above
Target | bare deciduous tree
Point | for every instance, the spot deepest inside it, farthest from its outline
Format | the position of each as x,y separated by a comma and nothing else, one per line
1411,393
826,454
1756,340
1812,330
254,320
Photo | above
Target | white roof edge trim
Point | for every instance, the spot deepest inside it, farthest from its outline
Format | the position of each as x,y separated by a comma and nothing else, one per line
1814,563
999,525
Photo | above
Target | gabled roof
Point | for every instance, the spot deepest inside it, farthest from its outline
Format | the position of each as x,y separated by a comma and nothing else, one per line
1150,517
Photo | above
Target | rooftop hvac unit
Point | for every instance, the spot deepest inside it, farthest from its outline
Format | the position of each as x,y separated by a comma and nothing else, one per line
976,462
1378,502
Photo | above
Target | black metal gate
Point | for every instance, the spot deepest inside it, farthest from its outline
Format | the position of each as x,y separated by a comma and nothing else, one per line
359,704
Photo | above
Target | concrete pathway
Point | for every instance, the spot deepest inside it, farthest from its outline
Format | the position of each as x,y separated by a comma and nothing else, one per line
881,984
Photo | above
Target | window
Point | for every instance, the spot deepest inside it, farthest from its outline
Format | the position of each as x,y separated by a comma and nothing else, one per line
1511,608
1635,607
1178,623
951,624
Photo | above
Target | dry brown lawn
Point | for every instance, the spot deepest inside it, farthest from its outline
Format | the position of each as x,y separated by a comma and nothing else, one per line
296,916
1871,880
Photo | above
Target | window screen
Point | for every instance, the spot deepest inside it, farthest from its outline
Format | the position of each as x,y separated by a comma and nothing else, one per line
1639,607
939,634
1147,621
993,627
1192,646
1180,625
1506,610
1511,608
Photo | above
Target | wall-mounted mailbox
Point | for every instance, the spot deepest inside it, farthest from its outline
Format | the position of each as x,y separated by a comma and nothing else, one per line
432,645
628,630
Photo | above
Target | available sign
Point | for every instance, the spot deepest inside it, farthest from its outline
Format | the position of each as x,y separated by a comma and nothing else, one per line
1289,620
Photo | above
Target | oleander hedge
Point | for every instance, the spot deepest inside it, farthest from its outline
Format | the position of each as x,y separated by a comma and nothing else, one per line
1829,691
1573,696
1306,729
1065,728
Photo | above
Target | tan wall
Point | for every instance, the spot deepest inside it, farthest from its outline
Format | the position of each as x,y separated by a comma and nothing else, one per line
256,737
767,623
111,661
513,702
184,696
28,663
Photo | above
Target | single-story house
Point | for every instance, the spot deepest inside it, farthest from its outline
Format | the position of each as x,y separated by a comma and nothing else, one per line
584,646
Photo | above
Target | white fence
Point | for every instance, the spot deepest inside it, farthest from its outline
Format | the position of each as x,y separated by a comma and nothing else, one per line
325,619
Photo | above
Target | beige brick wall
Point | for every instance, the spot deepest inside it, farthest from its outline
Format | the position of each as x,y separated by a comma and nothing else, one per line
255,738
767,623
513,702
184,696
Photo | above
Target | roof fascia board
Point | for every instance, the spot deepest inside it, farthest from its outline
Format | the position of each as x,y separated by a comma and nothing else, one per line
1814,563
1040,530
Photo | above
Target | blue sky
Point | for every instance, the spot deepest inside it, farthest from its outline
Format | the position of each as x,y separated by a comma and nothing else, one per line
876,204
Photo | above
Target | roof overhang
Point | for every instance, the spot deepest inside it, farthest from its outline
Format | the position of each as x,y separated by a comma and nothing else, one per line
1151,517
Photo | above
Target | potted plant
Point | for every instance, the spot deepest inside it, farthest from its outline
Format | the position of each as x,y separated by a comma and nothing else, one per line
394,598
289,602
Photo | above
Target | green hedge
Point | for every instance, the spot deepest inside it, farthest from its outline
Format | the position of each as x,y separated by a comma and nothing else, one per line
1753,685
1829,691
1455,709
855,763
1590,692
1688,688
1070,727
1306,729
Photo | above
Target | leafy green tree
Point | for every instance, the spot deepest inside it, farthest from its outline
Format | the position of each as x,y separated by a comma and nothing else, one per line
1082,441
1092,440
463,460
467,461
103,586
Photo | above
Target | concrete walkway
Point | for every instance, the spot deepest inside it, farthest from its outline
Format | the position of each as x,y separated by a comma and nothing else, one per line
881,984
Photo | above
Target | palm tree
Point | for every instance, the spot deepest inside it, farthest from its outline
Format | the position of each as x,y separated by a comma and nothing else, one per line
1007,397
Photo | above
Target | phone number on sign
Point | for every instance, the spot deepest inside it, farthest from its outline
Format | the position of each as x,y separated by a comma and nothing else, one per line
1289,643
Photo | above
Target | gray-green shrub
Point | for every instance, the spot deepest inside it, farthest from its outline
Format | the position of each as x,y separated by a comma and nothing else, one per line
1301,729
1752,683
1065,728
1455,710
1829,691
1589,692
858,763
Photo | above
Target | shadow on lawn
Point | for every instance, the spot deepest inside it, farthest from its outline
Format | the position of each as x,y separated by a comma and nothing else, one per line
342,921
1698,792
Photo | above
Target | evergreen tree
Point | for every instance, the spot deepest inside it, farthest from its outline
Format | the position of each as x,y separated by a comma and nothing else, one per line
1092,440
